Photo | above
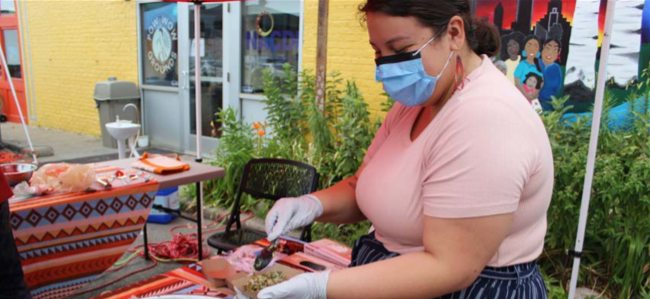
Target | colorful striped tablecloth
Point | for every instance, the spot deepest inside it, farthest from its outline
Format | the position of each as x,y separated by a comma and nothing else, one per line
188,281
67,240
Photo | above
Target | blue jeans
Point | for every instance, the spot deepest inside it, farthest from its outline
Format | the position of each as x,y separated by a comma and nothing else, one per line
523,281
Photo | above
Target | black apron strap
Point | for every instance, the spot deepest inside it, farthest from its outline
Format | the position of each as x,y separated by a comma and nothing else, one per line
368,249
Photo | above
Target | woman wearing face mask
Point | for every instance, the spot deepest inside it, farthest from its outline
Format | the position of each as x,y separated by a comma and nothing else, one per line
457,181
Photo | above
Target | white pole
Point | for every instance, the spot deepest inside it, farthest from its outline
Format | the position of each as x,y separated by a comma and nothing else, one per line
20,111
197,77
593,143
199,133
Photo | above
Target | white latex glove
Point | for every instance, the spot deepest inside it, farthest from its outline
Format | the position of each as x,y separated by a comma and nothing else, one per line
240,295
303,286
290,213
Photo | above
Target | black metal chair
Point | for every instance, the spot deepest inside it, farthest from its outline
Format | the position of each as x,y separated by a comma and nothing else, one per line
269,179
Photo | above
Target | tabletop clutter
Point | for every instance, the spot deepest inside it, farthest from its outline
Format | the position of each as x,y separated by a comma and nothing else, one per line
236,270
58,178
160,164
73,222
224,274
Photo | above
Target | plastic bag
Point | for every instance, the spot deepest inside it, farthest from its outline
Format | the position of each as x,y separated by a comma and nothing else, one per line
25,190
64,177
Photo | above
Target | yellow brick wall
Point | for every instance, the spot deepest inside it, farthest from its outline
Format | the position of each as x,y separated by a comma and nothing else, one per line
348,49
74,44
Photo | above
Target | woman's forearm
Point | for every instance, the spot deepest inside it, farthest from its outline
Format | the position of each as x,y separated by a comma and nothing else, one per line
339,203
415,275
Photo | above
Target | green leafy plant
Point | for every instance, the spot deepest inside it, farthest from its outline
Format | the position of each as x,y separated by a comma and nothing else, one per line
354,134
616,256
332,138
238,144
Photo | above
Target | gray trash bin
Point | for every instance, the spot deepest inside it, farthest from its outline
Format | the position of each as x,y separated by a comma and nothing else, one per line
111,96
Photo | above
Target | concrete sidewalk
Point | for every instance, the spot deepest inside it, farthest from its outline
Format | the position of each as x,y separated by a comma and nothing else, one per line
61,146
65,145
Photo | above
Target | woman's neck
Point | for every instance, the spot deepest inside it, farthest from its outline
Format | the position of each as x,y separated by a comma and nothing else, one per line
471,61
531,60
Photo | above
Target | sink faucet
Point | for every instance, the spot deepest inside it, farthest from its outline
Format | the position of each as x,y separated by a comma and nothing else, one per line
134,140
137,111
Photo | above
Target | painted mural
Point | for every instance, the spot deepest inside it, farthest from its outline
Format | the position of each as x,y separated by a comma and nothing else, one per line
550,47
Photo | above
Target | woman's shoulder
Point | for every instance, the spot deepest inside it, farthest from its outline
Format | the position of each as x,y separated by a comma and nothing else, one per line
522,64
556,68
553,67
524,67
489,83
491,94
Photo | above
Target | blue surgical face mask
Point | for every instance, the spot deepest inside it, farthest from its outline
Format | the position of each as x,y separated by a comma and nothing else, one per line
405,79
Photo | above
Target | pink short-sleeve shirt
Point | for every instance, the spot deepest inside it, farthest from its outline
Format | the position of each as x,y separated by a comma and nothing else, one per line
485,153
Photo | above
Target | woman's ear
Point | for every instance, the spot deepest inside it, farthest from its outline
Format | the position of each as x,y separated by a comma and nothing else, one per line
456,31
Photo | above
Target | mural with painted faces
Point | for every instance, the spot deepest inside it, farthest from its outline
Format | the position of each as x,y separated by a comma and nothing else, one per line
531,82
513,49
512,45
551,51
531,48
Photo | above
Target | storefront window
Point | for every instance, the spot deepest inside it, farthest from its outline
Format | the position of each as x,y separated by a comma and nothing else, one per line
270,39
12,52
7,7
160,44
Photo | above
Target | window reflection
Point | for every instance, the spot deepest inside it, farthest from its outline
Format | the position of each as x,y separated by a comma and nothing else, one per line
270,39
7,7
160,44
12,52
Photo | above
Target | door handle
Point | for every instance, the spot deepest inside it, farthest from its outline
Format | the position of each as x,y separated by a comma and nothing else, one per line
184,80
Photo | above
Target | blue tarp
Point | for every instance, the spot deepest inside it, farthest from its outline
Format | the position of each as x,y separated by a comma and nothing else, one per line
620,117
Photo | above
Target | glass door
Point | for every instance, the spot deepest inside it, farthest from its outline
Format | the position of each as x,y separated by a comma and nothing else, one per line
238,40
212,75
161,47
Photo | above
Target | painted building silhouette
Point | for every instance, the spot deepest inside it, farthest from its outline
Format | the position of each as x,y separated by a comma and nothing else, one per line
524,16
554,25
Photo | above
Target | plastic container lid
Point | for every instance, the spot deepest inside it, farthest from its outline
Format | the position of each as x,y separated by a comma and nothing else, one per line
115,90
